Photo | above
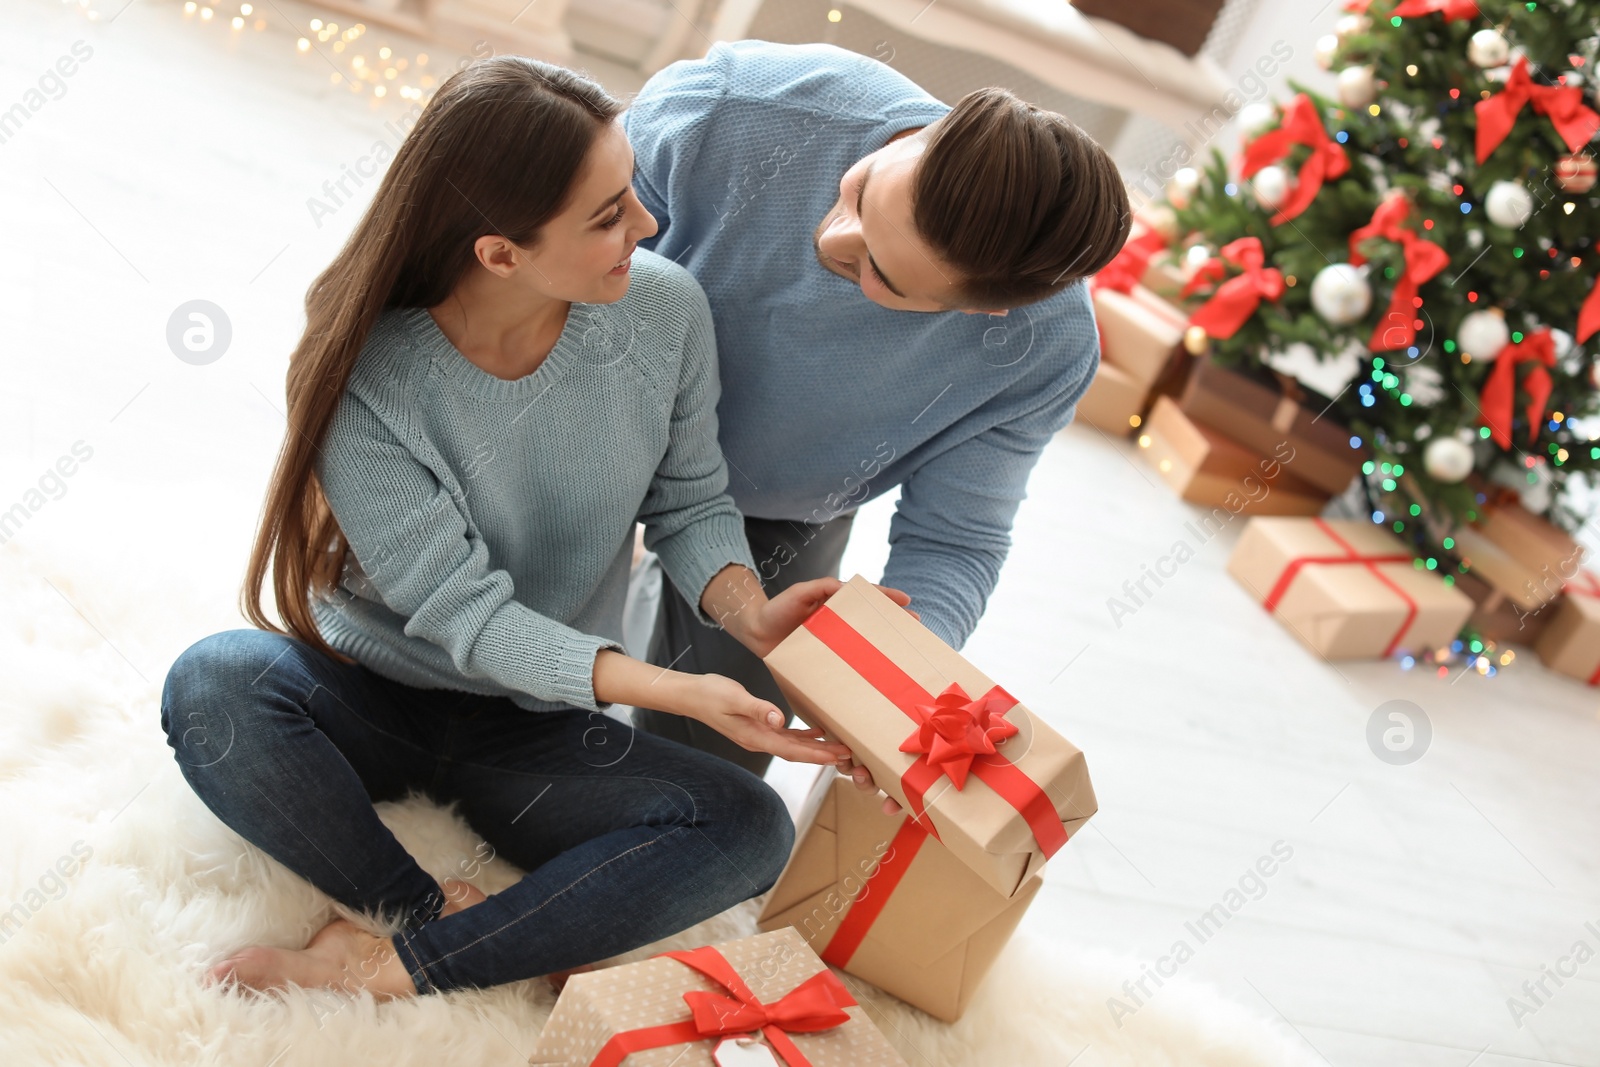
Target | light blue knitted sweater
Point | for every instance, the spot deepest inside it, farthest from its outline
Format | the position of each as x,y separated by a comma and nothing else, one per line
829,400
491,521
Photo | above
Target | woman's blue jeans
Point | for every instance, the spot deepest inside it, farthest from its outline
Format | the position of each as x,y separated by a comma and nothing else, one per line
626,837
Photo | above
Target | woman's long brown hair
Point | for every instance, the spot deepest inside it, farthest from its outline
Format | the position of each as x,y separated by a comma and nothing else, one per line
496,151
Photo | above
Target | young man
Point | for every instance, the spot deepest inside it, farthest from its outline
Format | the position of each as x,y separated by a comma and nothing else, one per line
895,286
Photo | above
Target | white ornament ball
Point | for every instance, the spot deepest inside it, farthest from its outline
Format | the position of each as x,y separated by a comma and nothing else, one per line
1488,49
1350,25
1483,334
1182,187
1567,353
1340,294
1271,186
1572,79
1508,204
1357,87
1324,50
1447,459
1256,117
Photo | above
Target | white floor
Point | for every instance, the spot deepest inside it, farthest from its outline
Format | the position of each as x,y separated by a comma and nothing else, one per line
1418,898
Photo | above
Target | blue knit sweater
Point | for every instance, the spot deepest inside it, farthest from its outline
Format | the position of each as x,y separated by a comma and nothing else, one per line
491,521
828,399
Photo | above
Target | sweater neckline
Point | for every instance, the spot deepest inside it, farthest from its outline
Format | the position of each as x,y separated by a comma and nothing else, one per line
473,379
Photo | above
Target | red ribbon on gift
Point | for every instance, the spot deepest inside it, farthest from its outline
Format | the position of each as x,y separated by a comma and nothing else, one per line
818,1003
1424,261
1588,587
1589,314
1237,298
1453,9
1563,105
880,886
903,691
1275,596
1302,125
1129,265
1498,398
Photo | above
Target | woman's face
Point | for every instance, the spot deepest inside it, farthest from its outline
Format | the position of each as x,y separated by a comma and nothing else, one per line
582,255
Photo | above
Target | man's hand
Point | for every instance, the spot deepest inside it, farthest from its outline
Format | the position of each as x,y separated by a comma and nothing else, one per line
761,627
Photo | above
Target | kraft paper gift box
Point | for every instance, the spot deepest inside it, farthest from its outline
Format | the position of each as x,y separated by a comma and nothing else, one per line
876,896
1540,548
1496,617
1113,400
1347,589
1262,417
1004,791
676,1009
1570,643
1204,467
1139,331
1528,588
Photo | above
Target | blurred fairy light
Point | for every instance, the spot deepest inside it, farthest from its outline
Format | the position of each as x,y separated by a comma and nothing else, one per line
361,71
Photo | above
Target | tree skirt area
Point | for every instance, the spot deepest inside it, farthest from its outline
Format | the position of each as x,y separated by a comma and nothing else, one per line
103,965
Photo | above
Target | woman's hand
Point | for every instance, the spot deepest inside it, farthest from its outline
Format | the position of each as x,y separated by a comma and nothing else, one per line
764,625
755,724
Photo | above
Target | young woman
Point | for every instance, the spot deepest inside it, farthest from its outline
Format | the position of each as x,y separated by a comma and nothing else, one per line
492,388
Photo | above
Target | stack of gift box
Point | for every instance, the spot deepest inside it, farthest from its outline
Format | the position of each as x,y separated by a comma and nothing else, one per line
918,903
1525,577
1218,437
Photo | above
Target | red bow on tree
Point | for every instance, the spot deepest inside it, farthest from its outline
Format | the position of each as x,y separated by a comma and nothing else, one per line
1424,261
1500,392
1563,105
1589,314
1302,125
955,729
1231,306
1453,9
1124,271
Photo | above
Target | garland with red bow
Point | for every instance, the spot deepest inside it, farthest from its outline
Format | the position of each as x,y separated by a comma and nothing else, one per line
1301,125
1562,105
1453,9
1237,298
1498,398
1423,262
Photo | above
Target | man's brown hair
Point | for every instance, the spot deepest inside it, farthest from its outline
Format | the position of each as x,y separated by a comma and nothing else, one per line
1017,199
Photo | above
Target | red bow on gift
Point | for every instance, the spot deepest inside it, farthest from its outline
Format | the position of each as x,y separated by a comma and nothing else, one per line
1424,261
1563,105
1453,9
1124,271
955,729
1499,392
1237,298
818,1003
1589,315
1302,124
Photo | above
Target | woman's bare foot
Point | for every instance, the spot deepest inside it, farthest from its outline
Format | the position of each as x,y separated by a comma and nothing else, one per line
340,956
459,895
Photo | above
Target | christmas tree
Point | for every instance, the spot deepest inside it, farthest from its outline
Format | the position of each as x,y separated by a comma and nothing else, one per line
1439,220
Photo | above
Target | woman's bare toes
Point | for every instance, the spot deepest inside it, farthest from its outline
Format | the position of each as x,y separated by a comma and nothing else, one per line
340,956
459,895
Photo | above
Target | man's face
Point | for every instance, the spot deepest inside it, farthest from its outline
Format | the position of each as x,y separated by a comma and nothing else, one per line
868,235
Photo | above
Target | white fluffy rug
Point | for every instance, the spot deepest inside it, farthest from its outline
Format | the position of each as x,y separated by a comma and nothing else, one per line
103,966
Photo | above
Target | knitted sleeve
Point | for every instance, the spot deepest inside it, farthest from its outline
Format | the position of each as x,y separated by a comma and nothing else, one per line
421,557
951,531
690,521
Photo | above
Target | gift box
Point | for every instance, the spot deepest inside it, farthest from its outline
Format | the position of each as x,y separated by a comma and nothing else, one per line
1570,643
1204,467
876,896
1346,589
1113,400
676,1009
1139,331
1497,618
1263,417
1528,588
1537,545
986,776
